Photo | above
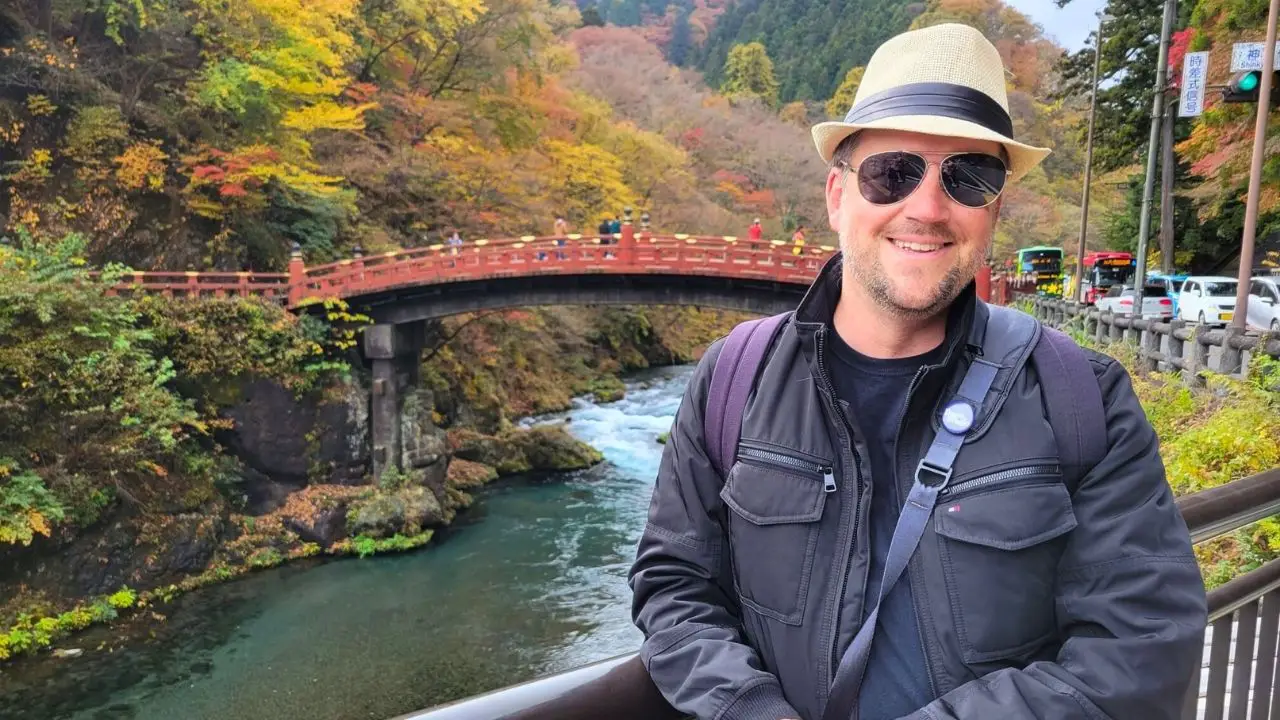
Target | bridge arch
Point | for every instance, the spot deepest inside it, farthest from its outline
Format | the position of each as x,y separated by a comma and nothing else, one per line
428,302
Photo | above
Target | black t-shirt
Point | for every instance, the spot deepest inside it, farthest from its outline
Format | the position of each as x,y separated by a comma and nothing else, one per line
896,682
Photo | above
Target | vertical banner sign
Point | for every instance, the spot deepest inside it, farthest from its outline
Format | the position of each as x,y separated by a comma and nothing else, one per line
1195,68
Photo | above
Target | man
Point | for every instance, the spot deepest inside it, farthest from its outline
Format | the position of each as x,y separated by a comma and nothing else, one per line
1027,591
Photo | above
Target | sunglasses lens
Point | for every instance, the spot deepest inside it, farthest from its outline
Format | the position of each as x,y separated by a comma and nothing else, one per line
889,177
973,179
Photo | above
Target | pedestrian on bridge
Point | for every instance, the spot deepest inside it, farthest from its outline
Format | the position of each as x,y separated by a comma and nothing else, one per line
897,501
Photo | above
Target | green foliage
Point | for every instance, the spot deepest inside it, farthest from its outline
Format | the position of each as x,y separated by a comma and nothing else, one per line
364,546
27,507
812,45
748,74
108,398
34,631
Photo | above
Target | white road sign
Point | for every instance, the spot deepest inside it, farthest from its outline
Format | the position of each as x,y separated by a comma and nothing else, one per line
1195,68
1248,56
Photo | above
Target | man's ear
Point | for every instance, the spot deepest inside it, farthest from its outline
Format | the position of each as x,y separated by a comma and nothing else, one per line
836,179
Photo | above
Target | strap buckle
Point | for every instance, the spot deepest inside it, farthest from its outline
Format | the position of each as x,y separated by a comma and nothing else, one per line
931,475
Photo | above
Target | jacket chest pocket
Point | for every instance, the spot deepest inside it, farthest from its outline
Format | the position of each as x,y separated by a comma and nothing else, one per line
775,502
1000,545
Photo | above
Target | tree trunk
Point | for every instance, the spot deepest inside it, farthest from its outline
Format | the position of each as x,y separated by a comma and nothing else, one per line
44,17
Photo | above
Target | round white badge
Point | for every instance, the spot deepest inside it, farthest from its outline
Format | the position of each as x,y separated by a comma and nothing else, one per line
958,417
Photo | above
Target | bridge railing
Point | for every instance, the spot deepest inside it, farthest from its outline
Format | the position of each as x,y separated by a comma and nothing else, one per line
1162,345
627,252
202,284
1238,671
571,254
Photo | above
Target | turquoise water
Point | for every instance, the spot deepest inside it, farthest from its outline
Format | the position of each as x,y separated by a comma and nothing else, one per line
531,580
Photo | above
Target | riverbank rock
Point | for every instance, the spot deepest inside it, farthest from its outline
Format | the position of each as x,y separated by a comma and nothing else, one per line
466,475
551,447
498,453
141,551
543,448
608,389
386,512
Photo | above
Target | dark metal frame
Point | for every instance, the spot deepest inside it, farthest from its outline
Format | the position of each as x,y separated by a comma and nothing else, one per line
1247,607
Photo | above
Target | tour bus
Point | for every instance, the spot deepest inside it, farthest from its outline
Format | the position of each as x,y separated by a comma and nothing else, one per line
1104,269
1045,264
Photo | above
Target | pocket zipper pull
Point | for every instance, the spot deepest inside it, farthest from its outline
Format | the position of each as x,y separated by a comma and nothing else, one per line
828,480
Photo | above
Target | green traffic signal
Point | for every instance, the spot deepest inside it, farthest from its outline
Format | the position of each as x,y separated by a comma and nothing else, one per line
1245,87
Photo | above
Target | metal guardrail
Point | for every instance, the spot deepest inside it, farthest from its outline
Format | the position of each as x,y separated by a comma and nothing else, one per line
1243,613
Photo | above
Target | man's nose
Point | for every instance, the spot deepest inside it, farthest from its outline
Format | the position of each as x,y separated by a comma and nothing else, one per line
929,204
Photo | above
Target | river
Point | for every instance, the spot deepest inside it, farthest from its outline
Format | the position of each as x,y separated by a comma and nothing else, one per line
530,580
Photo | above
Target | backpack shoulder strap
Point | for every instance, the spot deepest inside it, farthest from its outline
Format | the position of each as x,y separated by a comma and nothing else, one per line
732,378
1073,401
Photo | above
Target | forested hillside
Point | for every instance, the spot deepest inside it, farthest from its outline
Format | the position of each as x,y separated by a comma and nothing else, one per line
813,44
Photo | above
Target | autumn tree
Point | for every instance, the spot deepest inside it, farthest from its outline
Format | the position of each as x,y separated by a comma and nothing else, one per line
840,103
748,74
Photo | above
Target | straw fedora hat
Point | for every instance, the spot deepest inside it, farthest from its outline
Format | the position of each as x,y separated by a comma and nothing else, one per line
941,80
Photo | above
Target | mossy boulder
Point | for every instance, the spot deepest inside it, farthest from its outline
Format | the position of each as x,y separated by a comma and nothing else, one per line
551,447
546,447
496,452
385,513
465,474
608,389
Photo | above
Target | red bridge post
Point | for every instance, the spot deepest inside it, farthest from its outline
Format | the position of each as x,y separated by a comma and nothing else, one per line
297,275
984,283
627,246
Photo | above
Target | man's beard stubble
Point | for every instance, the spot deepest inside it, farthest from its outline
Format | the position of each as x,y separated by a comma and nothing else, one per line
866,269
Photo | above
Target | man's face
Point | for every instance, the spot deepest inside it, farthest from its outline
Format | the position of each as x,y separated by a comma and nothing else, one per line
913,257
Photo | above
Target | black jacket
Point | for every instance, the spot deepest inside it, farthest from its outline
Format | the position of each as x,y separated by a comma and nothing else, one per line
1035,602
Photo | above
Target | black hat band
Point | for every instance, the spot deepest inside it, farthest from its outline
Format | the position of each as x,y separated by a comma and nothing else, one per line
934,98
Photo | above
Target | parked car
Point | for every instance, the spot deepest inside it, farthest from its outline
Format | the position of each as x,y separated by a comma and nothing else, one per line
1155,301
1264,303
1207,299
1171,283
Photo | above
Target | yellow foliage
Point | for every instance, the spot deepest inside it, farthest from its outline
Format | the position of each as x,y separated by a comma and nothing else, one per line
586,180
141,165
327,115
842,100
38,522
40,106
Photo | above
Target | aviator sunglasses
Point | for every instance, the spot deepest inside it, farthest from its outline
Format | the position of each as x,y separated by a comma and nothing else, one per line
972,179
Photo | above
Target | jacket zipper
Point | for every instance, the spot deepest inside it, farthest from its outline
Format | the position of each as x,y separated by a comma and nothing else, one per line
857,507
793,463
999,478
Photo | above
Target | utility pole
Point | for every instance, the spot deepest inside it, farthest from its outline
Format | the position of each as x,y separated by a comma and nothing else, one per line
1166,190
1088,163
1255,170
1153,147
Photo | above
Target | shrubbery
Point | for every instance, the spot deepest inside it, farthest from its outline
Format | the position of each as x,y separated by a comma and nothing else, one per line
106,399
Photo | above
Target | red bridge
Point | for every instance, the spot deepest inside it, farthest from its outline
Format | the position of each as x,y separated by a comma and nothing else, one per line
630,267
440,280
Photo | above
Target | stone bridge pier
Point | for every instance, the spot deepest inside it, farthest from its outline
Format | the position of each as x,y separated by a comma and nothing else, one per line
395,352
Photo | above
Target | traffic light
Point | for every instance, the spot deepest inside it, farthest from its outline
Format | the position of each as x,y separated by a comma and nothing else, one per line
1244,87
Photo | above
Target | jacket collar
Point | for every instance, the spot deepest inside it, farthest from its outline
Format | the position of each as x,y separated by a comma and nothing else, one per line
966,318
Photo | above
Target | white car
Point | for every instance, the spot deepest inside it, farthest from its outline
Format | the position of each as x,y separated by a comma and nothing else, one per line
1207,299
1264,303
1155,301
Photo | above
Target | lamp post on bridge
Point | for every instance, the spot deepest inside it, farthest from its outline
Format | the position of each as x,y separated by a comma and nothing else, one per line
297,274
